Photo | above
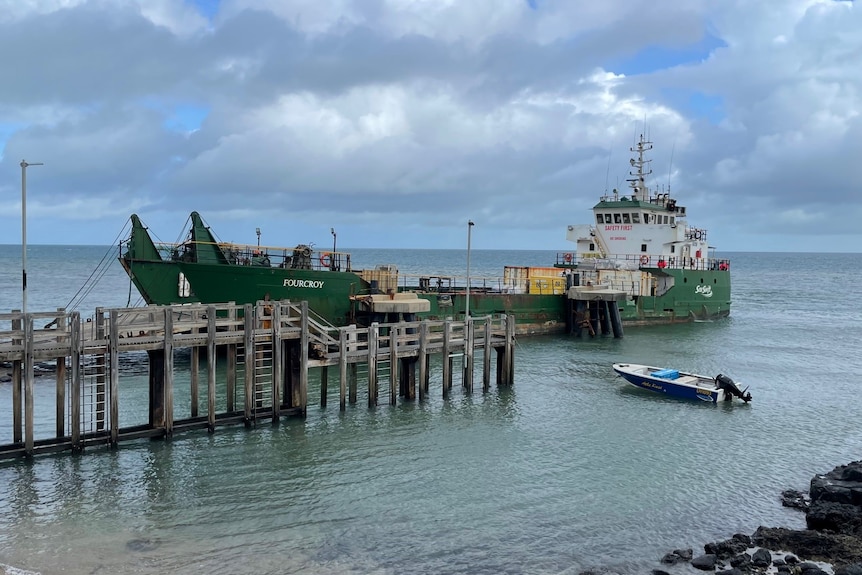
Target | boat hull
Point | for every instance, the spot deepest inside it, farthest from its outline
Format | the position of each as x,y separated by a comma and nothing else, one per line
702,390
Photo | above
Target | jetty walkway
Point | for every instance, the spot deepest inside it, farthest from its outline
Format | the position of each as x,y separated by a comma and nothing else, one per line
264,353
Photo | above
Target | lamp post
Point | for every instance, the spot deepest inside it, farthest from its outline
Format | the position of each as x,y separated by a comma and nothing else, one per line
332,231
467,299
257,231
24,166
332,258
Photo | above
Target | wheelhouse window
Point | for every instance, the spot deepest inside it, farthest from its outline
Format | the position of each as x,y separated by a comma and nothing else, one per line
617,219
636,218
600,218
626,218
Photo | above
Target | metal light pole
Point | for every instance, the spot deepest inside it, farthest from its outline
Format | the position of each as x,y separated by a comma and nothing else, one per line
24,166
332,231
467,299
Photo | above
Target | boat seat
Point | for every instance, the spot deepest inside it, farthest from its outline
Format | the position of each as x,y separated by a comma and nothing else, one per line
686,379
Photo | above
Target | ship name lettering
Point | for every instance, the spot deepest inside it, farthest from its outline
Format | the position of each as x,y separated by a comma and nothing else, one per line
705,291
316,284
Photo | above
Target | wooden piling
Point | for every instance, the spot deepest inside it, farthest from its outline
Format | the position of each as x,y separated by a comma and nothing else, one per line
486,357
28,384
211,368
467,380
447,357
249,356
114,381
168,350
17,386
230,379
277,362
393,364
373,332
423,360
342,368
75,385
61,376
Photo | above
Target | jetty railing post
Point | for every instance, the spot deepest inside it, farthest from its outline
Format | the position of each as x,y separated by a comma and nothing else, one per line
373,332
486,357
249,356
168,386
393,364
277,362
230,376
61,374
447,363
303,357
17,384
468,354
342,368
28,384
423,360
114,388
75,364
211,368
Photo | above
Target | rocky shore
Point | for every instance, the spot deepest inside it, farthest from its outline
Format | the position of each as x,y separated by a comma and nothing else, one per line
832,542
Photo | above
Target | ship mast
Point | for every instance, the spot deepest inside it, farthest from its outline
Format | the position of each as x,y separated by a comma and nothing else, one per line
638,182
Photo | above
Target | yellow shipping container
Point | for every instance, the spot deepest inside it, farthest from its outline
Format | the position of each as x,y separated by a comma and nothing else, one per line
547,285
545,272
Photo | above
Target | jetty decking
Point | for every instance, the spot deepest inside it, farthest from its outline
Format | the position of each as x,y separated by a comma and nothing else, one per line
267,351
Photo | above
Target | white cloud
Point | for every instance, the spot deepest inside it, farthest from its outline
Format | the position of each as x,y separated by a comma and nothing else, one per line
416,112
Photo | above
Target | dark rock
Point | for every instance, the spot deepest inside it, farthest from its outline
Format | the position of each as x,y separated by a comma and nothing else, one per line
808,568
728,548
831,516
5,378
854,569
733,571
834,548
659,572
836,500
704,562
791,559
678,556
761,558
794,499
742,561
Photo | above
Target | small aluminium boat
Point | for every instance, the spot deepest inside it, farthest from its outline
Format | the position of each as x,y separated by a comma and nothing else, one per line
681,384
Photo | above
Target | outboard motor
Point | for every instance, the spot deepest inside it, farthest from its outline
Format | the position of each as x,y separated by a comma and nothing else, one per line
730,388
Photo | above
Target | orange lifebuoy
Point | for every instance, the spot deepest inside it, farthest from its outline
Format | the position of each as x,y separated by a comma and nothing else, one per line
644,260
661,264
325,259
567,257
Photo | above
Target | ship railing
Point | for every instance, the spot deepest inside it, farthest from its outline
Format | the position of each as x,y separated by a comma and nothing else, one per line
449,283
299,257
591,261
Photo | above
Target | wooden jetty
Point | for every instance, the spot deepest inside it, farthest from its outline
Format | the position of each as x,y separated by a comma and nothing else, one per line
267,348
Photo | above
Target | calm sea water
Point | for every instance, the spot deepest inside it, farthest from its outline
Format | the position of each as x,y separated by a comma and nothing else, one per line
569,469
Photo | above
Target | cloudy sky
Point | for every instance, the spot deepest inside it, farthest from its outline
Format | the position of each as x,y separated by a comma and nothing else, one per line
397,121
